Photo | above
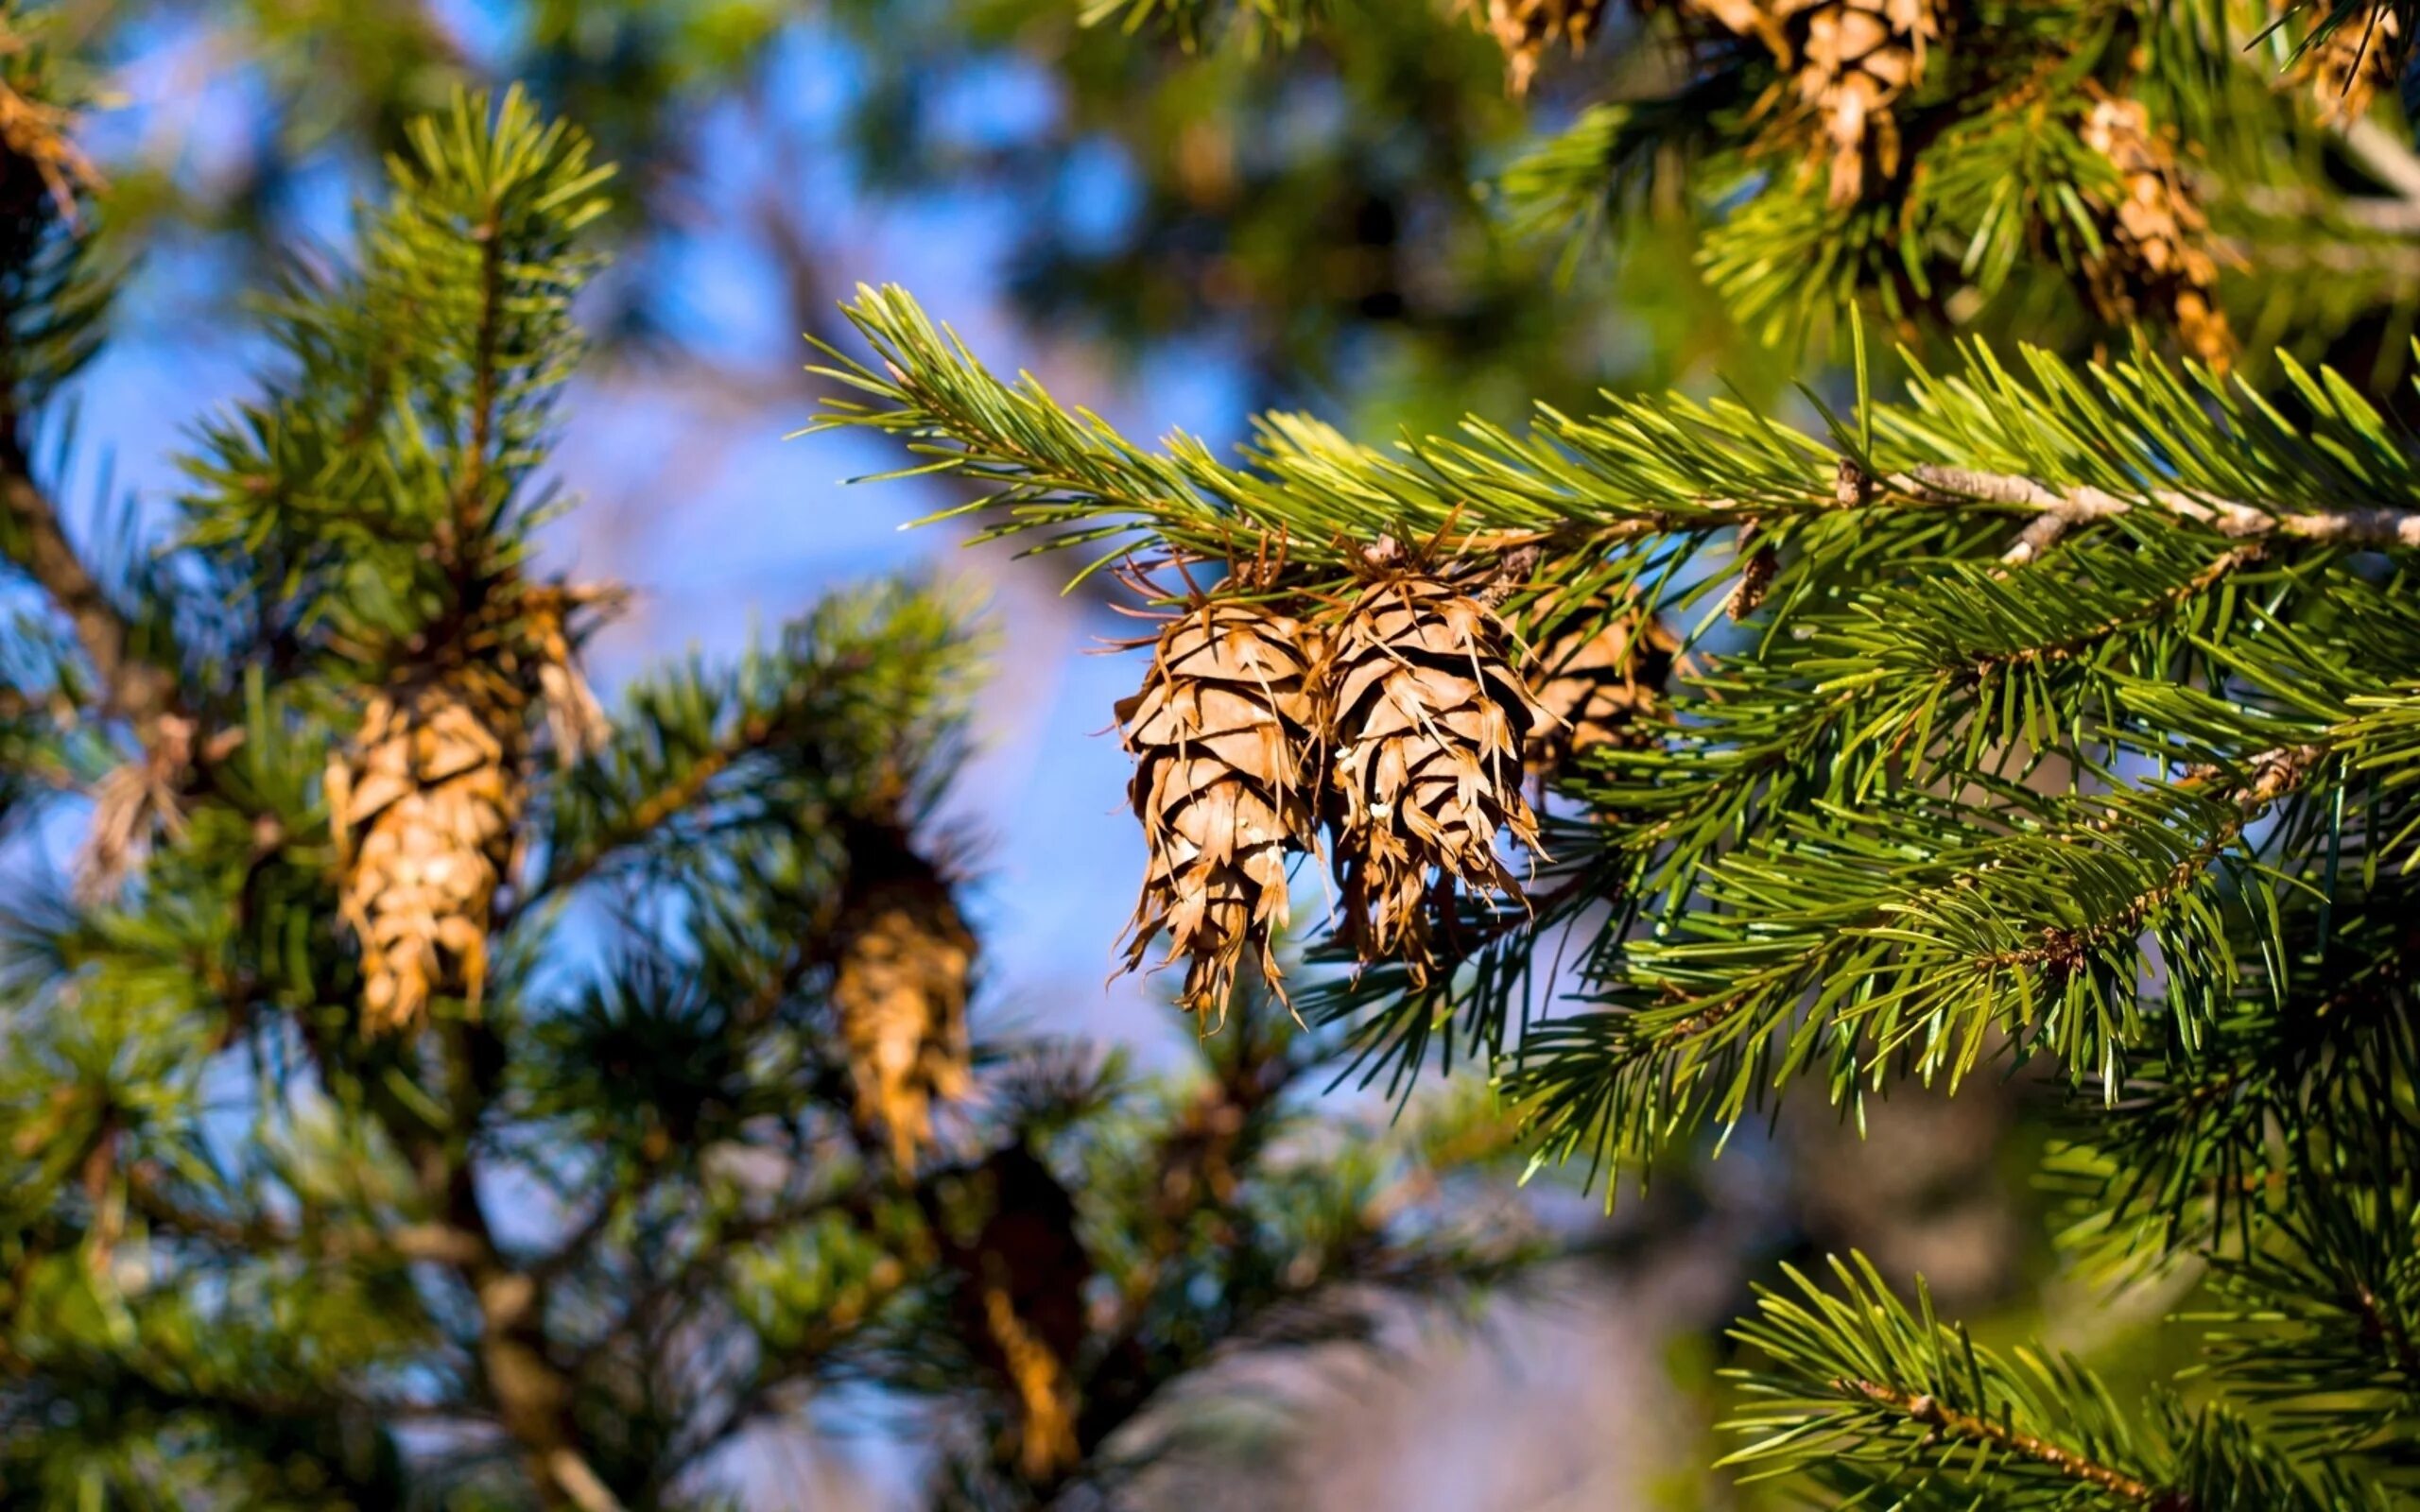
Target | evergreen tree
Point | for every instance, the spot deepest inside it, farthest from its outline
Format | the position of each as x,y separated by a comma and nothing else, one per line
2044,704
435,1089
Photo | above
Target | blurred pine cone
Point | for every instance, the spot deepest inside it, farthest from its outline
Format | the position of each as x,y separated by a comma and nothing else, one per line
1220,734
1525,29
2347,68
425,801
904,957
1427,719
423,808
1850,60
2157,255
1023,1308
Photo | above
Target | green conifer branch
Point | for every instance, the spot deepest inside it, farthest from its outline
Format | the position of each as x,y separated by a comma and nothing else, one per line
1862,1394
2056,443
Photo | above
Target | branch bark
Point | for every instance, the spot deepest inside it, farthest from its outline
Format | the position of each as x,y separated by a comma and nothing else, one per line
2083,504
139,690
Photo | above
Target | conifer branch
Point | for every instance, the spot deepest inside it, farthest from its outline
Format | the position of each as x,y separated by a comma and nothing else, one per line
1883,1402
1921,1407
2098,444
415,1242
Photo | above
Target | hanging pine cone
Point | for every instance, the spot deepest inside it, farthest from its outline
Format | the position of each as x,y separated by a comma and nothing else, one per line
2156,255
1220,735
2347,68
1525,29
904,960
1601,682
1426,718
1850,60
425,803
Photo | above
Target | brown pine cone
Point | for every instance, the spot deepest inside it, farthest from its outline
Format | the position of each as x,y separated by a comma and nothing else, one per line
423,808
1850,61
1525,29
904,957
1427,719
2347,68
425,803
1221,735
2157,256
1600,681
1022,1307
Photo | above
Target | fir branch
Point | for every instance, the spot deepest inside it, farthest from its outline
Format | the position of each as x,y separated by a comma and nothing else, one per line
1192,21
851,711
2090,445
1854,1377
1954,1424
1885,1403
1849,940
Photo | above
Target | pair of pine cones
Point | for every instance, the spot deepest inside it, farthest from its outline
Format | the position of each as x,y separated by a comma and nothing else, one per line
1402,729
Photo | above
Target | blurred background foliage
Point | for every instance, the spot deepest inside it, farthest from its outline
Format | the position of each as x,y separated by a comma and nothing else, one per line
1312,216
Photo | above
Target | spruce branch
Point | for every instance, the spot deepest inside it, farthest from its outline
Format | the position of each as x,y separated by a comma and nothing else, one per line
1952,1424
1852,1375
254,1234
1847,941
1873,1399
2087,446
851,711
53,303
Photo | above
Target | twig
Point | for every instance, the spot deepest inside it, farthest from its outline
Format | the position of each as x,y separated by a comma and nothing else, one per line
411,1242
2084,504
1922,1408
2389,161
579,1483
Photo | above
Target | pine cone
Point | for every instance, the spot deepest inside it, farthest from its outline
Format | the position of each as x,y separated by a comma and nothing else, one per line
425,803
2156,249
1525,29
2347,68
1219,734
1024,1310
904,958
1599,682
1427,719
1851,61
423,808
